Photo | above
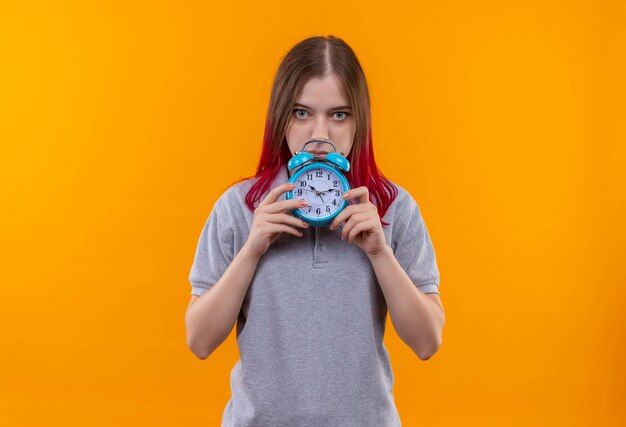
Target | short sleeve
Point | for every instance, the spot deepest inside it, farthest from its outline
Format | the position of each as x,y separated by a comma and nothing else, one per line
415,252
214,253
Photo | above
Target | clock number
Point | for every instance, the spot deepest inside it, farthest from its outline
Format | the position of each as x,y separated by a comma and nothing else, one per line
318,211
328,208
309,176
335,202
299,192
335,183
302,183
337,193
319,174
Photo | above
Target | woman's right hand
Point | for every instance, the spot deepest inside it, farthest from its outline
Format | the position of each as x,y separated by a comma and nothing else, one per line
270,220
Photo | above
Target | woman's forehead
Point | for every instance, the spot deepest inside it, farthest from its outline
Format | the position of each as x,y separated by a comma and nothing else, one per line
322,93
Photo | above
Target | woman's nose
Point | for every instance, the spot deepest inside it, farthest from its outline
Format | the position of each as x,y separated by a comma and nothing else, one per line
320,129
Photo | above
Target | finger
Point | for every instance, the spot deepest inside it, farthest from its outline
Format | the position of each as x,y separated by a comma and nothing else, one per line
285,205
345,214
361,194
282,228
282,218
354,219
361,227
273,195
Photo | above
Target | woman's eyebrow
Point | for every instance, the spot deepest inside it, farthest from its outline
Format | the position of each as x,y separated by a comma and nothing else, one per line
343,107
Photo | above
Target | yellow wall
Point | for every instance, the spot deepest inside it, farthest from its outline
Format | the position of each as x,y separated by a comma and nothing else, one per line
504,120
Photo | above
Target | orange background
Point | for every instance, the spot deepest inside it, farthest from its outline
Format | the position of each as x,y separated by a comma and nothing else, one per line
122,122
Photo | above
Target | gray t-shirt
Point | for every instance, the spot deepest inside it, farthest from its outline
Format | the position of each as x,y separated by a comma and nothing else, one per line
310,330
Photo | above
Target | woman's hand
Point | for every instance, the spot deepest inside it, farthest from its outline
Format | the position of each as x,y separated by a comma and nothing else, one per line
270,220
363,225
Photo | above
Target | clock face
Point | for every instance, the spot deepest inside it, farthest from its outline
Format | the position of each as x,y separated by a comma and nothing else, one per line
322,188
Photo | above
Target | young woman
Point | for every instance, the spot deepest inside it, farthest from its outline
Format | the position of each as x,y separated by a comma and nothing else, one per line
310,303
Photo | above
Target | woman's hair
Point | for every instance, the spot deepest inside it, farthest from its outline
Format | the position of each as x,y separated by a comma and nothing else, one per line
317,57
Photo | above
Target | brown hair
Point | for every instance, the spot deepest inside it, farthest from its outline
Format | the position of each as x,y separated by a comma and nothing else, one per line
317,57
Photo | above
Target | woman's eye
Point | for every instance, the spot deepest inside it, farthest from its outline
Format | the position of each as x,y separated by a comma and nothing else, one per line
303,114
297,111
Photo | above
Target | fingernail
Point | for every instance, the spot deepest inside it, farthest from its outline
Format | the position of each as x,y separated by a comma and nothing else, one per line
345,196
304,202
291,185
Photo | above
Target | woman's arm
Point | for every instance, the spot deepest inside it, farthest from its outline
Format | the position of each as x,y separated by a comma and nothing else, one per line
416,318
212,316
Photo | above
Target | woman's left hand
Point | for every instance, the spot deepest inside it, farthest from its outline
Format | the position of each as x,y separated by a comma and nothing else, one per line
363,226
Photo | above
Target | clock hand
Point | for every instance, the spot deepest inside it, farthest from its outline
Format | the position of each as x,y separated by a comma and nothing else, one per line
306,189
319,193
325,191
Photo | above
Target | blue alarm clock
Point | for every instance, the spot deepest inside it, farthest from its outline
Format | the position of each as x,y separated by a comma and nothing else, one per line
320,182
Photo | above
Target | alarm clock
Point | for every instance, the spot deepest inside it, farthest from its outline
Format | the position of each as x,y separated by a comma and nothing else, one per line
321,183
